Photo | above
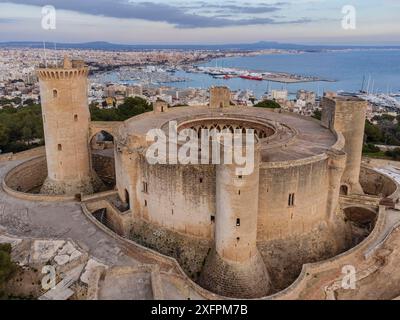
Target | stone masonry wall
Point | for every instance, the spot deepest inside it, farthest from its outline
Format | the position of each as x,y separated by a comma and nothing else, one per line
105,168
178,197
285,258
374,183
277,219
29,176
190,252
36,152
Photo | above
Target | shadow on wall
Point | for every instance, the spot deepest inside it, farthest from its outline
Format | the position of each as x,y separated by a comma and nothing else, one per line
28,177
376,184
362,221
102,157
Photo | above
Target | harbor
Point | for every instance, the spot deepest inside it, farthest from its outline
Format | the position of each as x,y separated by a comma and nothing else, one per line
230,73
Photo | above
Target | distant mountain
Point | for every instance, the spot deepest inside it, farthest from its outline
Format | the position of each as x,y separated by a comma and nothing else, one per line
101,45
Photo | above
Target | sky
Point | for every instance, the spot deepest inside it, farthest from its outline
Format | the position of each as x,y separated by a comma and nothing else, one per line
202,21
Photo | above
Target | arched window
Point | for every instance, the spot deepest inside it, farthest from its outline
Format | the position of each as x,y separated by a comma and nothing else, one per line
55,93
127,198
291,200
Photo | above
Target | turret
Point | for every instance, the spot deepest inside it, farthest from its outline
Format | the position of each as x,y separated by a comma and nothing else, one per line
347,114
220,97
235,267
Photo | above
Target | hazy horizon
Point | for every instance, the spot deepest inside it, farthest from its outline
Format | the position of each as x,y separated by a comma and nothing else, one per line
202,22
183,44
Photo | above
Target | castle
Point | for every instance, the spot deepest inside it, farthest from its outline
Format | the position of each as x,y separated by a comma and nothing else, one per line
235,235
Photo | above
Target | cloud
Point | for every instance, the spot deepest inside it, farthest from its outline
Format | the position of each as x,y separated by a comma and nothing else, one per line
7,21
231,8
181,16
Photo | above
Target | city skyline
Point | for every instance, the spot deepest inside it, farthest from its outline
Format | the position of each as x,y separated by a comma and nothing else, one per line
202,22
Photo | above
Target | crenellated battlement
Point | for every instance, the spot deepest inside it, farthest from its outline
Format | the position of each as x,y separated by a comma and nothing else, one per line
61,74
69,69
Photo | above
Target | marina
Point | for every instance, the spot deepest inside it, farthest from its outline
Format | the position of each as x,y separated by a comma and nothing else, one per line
230,73
358,72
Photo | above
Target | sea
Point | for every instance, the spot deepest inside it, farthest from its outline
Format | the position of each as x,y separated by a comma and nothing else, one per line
349,71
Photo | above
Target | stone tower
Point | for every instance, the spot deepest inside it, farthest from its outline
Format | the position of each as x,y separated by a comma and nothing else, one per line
347,114
160,106
235,268
220,97
66,119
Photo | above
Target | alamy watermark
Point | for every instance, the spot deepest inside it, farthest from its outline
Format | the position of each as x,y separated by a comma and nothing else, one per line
205,146
349,21
349,279
49,17
49,278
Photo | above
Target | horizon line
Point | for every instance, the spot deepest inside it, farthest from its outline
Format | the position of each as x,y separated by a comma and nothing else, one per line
306,44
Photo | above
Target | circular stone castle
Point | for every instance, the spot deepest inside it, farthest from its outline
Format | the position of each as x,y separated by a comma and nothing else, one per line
241,236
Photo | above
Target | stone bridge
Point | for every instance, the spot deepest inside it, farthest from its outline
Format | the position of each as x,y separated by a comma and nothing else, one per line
364,201
109,126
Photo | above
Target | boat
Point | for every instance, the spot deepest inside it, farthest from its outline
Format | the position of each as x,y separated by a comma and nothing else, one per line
250,77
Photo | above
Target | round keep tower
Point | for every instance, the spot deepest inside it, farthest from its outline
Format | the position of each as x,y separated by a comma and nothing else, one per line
66,119
234,267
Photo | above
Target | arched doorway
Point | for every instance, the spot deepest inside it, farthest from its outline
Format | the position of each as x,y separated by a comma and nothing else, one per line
103,158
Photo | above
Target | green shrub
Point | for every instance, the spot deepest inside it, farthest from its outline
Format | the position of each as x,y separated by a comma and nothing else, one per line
7,267
394,154
317,115
371,148
270,104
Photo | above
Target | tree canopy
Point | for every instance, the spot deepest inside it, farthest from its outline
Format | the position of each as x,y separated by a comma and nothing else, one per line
19,127
317,115
270,104
22,128
130,108
386,131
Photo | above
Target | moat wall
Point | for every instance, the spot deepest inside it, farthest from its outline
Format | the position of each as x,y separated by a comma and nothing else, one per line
374,183
28,177
284,258
105,168
190,252
36,152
